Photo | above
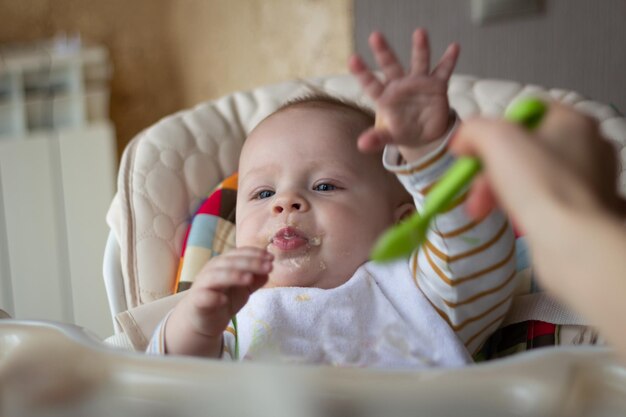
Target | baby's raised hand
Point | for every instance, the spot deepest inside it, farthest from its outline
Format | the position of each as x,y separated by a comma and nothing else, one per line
412,106
219,291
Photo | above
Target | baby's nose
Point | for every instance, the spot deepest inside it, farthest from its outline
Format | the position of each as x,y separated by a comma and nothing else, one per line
290,203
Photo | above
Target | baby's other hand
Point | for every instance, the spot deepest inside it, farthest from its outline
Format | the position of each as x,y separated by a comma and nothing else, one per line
219,291
224,285
412,108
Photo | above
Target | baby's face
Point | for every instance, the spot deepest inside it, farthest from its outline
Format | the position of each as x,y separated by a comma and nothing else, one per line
309,197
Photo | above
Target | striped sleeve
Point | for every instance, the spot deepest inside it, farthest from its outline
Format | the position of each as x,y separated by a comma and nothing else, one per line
230,349
156,346
466,267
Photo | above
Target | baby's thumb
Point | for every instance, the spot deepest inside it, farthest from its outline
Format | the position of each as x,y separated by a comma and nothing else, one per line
373,140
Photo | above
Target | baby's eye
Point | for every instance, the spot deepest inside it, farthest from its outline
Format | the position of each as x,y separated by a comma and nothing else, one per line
324,187
264,194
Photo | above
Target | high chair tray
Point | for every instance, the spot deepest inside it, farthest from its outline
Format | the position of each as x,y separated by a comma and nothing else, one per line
50,369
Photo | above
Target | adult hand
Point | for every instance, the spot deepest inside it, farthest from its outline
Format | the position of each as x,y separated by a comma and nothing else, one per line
566,202
566,144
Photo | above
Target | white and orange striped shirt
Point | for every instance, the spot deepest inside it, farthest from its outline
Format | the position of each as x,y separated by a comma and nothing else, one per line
466,268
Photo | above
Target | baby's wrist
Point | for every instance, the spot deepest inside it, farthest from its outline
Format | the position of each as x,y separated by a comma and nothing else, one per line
181,337
421,148
196,344
415,153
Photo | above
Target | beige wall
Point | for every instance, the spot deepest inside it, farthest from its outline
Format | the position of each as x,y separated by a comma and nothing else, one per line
223,46
172,54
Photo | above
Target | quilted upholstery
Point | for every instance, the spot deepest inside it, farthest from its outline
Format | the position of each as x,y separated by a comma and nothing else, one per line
171,166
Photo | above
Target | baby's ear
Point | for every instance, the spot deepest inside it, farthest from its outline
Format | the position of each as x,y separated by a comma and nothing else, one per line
403,211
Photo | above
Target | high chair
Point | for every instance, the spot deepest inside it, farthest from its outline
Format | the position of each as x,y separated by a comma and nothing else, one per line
169,168
165,172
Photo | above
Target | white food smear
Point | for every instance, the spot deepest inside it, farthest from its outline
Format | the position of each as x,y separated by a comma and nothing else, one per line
295,263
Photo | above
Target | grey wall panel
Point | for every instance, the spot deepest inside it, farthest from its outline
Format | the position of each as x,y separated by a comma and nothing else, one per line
573,44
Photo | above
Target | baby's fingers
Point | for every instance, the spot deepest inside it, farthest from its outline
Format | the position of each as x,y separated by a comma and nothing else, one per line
372,85
258,282
373,140
247,251
253,264
223,278
209,302
386,57
420,54
248,258
213,310
446,64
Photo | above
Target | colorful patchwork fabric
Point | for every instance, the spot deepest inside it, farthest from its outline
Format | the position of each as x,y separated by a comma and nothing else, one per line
520,337
211,232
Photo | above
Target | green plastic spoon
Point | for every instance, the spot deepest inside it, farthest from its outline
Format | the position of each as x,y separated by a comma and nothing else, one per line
401,240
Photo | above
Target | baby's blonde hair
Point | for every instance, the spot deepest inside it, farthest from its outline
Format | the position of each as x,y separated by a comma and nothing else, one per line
321,99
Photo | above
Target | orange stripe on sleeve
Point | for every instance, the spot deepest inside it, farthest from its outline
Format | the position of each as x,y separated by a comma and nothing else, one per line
469,320
460,230
459,200
474,251
481,294
414,266
443,151
470,277
426,189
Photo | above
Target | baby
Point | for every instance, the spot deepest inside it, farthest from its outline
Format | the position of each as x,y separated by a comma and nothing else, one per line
312,199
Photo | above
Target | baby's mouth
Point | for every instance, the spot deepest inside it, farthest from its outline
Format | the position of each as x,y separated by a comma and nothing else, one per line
288,239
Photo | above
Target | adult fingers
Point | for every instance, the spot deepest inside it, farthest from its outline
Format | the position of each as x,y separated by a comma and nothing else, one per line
575,138
481,199
513,163
563,121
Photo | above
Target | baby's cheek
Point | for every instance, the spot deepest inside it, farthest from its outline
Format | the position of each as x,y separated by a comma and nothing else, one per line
244,235
355,243
251,234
